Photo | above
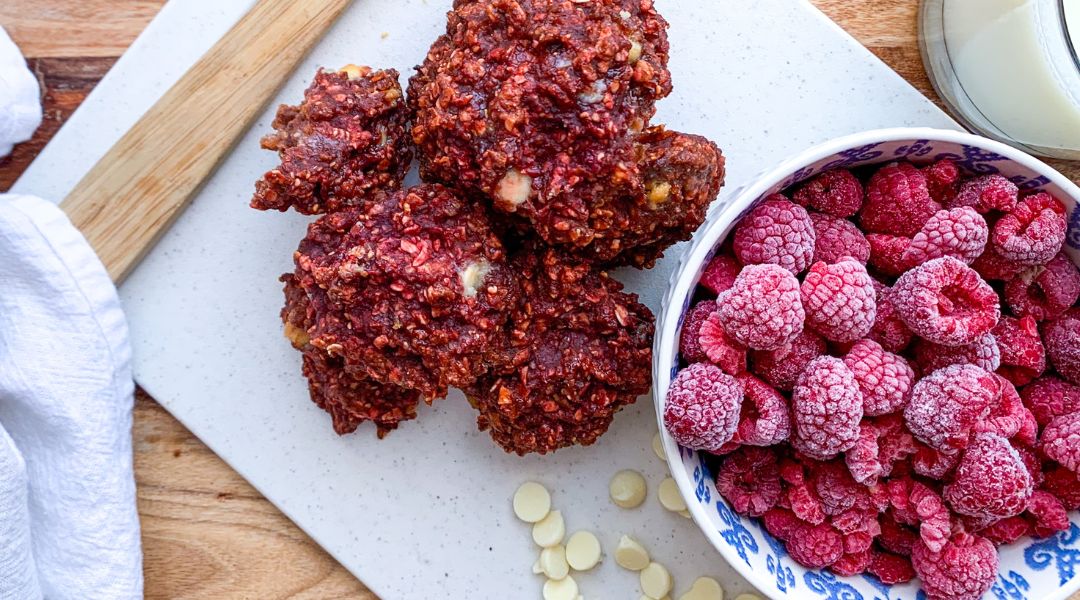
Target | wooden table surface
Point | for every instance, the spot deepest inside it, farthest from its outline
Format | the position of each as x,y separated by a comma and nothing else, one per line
206,532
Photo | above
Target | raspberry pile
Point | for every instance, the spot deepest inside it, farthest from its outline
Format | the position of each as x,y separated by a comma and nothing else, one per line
885,368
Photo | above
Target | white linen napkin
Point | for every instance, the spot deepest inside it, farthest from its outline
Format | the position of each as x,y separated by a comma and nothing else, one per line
68,523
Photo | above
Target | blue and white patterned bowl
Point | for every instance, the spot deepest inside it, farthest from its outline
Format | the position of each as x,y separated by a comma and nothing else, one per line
1030,569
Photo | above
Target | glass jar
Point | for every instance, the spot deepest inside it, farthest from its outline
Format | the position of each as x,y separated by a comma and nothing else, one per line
1008,69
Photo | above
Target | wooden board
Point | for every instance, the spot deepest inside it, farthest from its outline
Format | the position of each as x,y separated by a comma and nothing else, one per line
206,532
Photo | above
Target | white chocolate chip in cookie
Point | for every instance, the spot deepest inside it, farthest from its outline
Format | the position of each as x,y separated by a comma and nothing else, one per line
627,489
631,555
583,551
514,188
670,497
472,277
561,589
655,580
550,530
532,502
705,588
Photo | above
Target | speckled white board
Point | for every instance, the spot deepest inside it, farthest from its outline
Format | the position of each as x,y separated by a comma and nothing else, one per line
426,512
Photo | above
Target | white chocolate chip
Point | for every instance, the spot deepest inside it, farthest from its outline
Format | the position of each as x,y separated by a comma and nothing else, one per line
553,562
550,530
627,489
705,588
583,551
655,580
532,502
658,447
635,51
560,589
631,555
685,514
472,277
354,72
536,567
644,597
748,596
670,497
514,188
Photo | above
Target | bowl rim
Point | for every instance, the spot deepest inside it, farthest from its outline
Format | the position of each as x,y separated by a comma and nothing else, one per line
684,279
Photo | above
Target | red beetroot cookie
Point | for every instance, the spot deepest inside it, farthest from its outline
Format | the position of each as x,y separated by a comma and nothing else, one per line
836,238
826,408
1060,441
1049,397
891,569
882,443
990,481
720,348
1033,232
1062,337
815,546
720,273
1048,513
947,404
986,193
1023,357
887,253
765,418
964,569
898,201
946,302
749,479
702,407
836,192
839,300
763,309
1046,291
777,232
884,378
889,329
781,367
983,353
689,343
991,266
942,179
959,232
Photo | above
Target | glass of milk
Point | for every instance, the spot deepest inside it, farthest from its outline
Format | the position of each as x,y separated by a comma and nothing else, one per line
1008,69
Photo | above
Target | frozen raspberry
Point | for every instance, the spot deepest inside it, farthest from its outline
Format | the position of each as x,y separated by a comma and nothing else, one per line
897,201
805,503
1007,417
837,193
960,233
765,419
1023,357
852,563
896,538
942,179
891,569
982,353
1033,232
837,238
749,479
1044,292
1031,461
1048,513
1064,485
689,344
934,518
815,546
836,488
1062,338
946,302
1061,441
720,348
1007,531
986,193
781,367
991,266
776,232
887,253
963,570
1049,397
720,273
881,444
763,309
859,526
932,463
839,300
990,481
884,378
702,408
947,404
1029,430
826,408
889,329
781,523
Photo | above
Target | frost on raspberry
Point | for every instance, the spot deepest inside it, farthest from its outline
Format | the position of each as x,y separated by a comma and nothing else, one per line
852,563
1061,441
991,266
1033,232
934,518
888,253
933,464
765,419
959,232
749,480
946,302
895,537
889,329
720,273
836,192
1062,337
776,232
990,481
942,180
884,378
1007,531
827,407
836,488
689,345
947,404
891,569
815,546
781,523
898,201
1048,513
964,569
1064,485
763,309
1023,357
986,193
1050,396
781,367
983,353
836,238
839,300
1046,291
702,407
804,502
720,348
882,443
1007,417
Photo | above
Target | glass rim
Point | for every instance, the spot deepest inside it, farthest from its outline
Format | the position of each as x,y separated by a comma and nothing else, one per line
1069,34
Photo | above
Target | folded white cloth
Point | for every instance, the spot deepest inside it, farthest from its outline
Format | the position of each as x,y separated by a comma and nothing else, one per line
68,523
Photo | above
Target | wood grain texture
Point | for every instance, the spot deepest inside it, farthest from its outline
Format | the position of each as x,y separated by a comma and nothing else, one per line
206,532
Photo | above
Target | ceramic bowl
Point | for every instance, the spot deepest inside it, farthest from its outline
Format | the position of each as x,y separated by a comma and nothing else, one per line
1047,569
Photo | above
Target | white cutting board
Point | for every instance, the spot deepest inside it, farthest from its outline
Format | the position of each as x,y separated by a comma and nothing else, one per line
426,512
